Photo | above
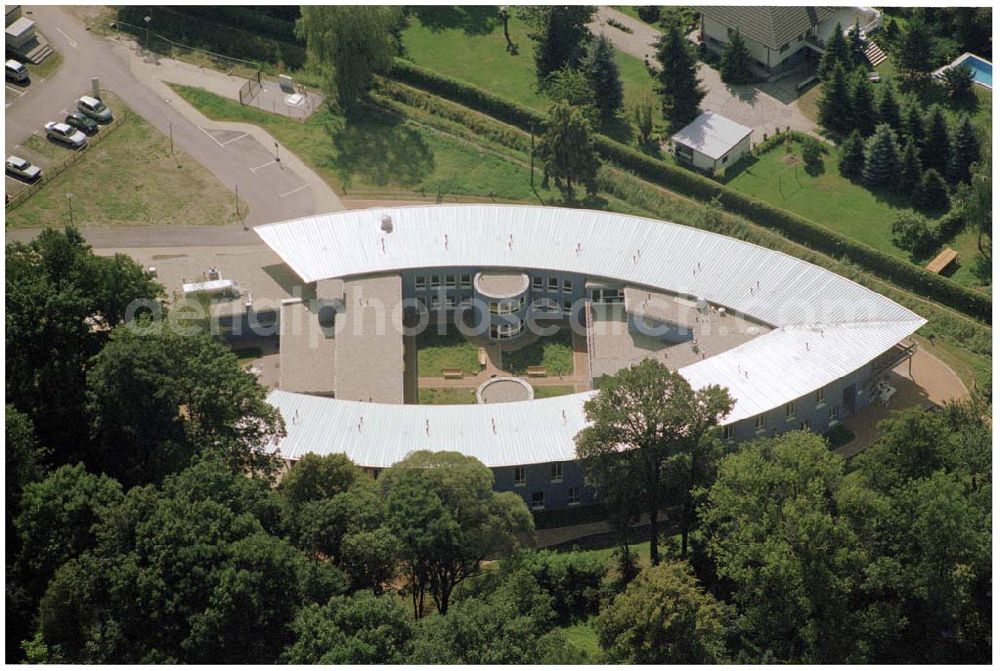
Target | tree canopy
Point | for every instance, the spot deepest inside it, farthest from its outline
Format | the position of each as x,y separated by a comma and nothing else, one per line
354,42
566,150
661,422
677,81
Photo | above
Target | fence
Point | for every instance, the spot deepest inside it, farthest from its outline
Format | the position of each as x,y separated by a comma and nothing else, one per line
250,89
153,41
53,171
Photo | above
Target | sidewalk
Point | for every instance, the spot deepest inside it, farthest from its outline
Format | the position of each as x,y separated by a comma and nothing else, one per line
156,72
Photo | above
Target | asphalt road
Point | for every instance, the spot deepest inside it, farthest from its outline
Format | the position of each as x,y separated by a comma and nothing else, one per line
270,195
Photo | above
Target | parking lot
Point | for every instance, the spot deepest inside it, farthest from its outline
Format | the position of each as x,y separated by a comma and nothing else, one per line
40,151
260,161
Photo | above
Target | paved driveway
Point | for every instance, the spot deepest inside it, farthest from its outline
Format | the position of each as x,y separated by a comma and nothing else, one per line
274,192
759,107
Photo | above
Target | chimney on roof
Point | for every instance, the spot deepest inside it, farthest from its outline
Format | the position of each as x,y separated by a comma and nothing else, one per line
387,223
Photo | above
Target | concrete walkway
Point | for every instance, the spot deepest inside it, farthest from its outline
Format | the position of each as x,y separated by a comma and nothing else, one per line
751,105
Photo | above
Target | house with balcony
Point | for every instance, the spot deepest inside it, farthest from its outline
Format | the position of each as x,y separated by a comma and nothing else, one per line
780,38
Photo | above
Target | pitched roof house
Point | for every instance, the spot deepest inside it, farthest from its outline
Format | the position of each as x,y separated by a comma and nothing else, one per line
781,37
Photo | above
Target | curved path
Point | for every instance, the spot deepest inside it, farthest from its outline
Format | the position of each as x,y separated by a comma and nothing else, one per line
228,151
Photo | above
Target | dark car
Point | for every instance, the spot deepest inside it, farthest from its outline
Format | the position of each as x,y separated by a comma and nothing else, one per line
81,121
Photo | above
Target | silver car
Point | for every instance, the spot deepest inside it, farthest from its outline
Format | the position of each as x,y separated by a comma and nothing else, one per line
19,167
61,132
95,109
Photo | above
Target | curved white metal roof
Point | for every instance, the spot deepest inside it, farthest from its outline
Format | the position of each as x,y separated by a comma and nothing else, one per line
826,326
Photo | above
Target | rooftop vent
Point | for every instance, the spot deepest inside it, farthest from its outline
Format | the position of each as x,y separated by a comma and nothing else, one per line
387,223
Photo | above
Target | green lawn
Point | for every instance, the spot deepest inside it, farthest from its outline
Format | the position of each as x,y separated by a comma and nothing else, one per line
129,178
46,67
467,43
780,179
436,352
551,390
583,636
382,153
446,396
554,352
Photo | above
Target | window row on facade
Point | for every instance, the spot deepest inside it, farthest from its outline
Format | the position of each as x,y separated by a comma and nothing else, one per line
790,411
437,281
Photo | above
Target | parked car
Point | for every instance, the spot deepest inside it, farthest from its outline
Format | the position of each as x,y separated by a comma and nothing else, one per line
81,121
18,167
68,135
14,71
95,109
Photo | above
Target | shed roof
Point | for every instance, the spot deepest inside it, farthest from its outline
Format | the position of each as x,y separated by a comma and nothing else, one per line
772,26
712,135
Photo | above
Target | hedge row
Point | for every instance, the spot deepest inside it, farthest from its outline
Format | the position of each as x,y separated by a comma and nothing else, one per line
483,126
702,188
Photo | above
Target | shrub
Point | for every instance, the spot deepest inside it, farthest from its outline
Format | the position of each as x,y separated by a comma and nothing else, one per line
911,232
572,579
649,13
812,153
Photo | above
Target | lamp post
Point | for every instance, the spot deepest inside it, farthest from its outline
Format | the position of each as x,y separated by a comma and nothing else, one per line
147,19
69,199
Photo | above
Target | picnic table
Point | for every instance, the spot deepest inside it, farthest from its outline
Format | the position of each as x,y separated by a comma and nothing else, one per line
942,260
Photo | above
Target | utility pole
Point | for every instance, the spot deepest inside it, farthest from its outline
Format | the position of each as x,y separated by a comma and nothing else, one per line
532,155
69,199
170,127
147,19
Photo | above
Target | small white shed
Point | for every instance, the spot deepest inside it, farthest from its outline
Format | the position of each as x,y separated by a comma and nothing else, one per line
711,142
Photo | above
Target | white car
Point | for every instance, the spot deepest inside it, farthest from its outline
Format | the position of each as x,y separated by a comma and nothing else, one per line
95,109
18,167
61,132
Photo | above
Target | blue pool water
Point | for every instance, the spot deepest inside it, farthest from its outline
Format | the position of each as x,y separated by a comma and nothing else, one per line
981,70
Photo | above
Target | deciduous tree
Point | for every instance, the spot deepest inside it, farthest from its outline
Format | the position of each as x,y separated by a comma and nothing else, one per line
357,629
61,301
664,617
651,416
442,507
354,42
156,400
794,563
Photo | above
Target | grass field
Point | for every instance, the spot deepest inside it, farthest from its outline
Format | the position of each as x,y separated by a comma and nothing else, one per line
780,179
583,636
467,43
551,390
129,178
554,352
446,396
436,352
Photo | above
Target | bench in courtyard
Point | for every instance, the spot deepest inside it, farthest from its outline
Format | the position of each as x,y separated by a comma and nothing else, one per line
537,371
452,373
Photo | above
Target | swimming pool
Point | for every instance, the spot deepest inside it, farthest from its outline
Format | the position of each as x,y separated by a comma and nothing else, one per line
982,69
